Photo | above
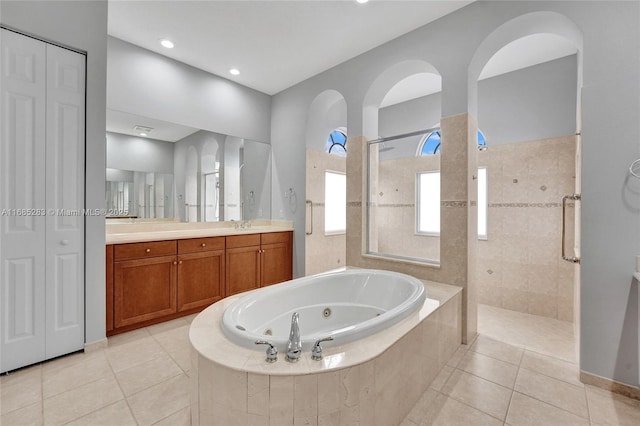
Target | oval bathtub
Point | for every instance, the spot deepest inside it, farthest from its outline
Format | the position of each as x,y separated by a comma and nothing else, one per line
347,305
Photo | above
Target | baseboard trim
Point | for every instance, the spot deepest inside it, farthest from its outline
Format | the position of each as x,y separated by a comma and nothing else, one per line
94,346
610,385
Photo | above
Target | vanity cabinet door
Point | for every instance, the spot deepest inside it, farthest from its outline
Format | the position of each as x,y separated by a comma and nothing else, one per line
277,264
200,279
243,269
144,289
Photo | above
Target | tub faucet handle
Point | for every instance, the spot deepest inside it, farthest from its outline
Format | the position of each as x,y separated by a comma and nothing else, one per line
316,352
272,351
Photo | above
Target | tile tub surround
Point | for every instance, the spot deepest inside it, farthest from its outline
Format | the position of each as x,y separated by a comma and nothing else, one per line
519,265
376,380
133,232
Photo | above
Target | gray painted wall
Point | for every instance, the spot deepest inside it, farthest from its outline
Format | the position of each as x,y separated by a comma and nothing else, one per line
81,25
182,94
610,141
126,152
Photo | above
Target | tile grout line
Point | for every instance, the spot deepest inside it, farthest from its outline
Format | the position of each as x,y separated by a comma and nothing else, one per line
126,400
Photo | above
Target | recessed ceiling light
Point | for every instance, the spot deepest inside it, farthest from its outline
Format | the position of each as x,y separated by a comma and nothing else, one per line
234,71
143,134
362,1
167,43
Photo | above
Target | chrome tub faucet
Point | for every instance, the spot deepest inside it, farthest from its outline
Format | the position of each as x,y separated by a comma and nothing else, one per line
294,346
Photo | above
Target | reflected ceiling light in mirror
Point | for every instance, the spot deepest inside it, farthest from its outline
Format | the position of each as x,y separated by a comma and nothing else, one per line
234,71
165,42
142,130
362,1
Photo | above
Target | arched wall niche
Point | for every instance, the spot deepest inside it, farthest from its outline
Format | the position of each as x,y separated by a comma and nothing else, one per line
327,112
381,86
528,24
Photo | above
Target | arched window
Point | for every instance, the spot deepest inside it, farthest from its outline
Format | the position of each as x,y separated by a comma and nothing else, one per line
337,143
430,144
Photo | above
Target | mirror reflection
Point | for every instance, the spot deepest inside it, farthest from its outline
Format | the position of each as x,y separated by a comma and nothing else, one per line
157,169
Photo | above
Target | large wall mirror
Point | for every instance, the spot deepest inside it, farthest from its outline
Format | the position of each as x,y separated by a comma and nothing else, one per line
157,169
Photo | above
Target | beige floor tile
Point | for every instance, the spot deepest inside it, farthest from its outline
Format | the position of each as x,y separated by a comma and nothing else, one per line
25,388
166,326
73,404
492,369
51,366
478,393
182,357
175,339
527,411
498,350
441,378
74,372
111,415
553,391
420,410
607,408
21,375
128,337
147,374
155,403
446,411
30,415
552,367
179,418
543,335
132,353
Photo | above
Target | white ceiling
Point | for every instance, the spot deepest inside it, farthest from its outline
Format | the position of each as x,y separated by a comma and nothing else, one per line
274,44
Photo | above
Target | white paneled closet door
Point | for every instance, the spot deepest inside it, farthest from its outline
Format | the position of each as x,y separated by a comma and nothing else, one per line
42,175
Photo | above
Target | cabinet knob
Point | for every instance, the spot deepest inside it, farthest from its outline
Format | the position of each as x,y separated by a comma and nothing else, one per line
204,244
175,263
64,242
148,250
180,263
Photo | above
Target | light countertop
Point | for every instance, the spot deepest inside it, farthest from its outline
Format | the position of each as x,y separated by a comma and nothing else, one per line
134,232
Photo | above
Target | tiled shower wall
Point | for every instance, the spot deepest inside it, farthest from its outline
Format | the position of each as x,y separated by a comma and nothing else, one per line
519,265
323,252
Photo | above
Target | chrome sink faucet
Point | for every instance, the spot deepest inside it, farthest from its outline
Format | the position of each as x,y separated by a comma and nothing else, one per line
294,346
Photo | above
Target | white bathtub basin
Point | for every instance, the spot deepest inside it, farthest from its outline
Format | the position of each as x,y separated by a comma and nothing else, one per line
347,305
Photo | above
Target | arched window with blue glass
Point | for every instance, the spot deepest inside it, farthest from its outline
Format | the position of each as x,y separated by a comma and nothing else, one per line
337,143
430,144
428,194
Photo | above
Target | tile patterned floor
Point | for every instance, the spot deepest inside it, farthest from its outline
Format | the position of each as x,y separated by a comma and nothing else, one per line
142,378
523,374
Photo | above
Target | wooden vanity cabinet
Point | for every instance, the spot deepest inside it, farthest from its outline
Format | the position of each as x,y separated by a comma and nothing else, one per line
201,272
276,257
258,260
144,282
243,263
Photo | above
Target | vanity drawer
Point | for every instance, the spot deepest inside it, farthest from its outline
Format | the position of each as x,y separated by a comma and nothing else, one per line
275,237
143,250
194,245
243,240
